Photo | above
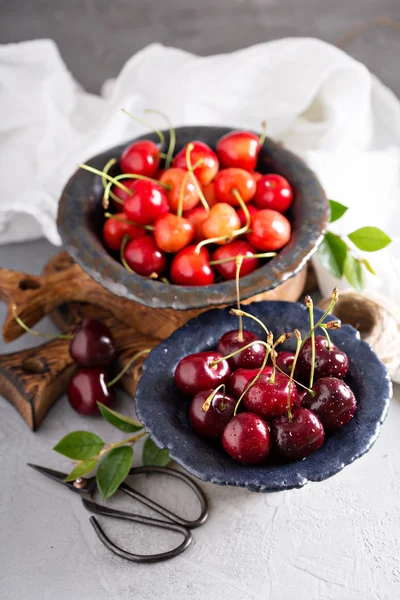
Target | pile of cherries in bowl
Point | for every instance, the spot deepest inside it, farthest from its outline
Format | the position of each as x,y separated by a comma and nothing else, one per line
264,405
184,218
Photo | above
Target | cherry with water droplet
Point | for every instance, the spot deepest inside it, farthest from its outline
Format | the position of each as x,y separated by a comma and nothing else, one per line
211,422
269,399
251,358
299,436
197,372
332,401
246,438
328,361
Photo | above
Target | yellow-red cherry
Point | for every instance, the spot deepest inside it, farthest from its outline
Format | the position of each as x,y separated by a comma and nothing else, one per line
172,233
175,179
230,180
222,221
209,166
197,216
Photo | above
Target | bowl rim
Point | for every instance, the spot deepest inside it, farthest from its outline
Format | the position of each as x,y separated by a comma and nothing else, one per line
317,466
85,247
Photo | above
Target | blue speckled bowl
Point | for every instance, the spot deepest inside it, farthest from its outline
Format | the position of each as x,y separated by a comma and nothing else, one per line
164,411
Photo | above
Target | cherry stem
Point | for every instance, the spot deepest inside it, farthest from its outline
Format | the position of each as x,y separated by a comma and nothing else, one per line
128,366
165,280
107,191
172,135
111,216
209,399
270,340
310,306
156,131
335,298
106,169
111,180
328,338
182,189
221,261
239,261
214,363
244,208
241,313
191,169
125,240
25,327
255,379
298,337
223,238
263,134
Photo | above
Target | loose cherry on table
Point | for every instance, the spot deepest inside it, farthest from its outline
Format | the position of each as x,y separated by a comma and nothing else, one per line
191,267
240,378
172,233
333,401
269,399
209,166
246,438
147,202
144,256
328,361
141,158
241,214
298,436
284,361
269,230
210,421
229,181
92,344
222,222
197,372
197,216
251,358
230,251
116,228
239,149
87,387
175,179
274,192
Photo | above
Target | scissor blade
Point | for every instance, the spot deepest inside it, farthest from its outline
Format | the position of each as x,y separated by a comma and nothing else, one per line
56,475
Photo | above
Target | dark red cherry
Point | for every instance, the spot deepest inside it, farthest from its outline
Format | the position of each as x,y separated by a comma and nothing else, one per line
284,361
144,256
299,398
192,268
87,387
211,423
140,158
232,250
269,399
246,438
147,203
240,378
239,149
334,402
196,372
328,362
251,358
297,438
92,344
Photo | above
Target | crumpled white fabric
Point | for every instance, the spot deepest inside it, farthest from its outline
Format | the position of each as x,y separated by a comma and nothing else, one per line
319,101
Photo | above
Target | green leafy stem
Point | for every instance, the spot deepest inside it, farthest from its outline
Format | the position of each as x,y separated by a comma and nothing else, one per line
340,258
113,461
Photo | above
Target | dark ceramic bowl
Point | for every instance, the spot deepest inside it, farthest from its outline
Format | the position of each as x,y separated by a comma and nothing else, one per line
164,410
80,221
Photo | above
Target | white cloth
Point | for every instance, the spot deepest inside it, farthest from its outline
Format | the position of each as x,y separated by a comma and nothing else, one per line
320,102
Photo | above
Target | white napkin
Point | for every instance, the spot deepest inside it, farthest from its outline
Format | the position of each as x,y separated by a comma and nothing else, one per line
320,102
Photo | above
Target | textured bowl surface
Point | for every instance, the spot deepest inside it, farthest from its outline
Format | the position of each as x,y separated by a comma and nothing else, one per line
164,410
80,220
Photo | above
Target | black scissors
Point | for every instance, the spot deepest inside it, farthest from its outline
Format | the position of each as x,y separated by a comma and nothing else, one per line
87,487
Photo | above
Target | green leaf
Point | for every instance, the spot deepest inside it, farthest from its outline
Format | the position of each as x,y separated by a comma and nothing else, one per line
79,445
368,266
113,469
337,210
353,269
119,421
153,456
332,253
369,239
81,469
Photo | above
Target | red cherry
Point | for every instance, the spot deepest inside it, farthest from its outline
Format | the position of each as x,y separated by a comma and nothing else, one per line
297,438
229,180
246,438
328,362
333,402
122,194
239,149
173,233
86,388
269,230
192,268
114,230
274,192
140,158
284,361
228,269
269,399
240,212
299,398
147,202
222,221
175,178
240,378
257,176
205,172
144,256
211,423
196,372
251,358
197,216
92,344
208,190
